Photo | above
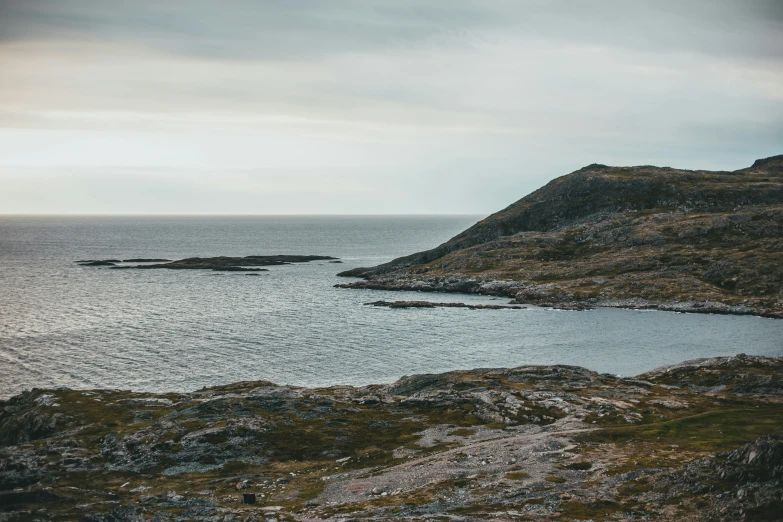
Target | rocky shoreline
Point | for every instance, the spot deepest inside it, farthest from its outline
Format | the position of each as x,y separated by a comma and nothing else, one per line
522,295
430,304
696,441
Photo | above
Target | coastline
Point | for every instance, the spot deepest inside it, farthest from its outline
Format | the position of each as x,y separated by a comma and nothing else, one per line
515,291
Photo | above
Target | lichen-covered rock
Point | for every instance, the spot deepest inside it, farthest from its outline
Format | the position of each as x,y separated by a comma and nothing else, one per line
26,417
539,442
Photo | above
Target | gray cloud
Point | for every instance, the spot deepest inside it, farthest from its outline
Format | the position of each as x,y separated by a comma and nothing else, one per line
279,29
444,106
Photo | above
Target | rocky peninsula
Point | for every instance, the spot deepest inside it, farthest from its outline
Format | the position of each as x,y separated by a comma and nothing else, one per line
635,237
697,441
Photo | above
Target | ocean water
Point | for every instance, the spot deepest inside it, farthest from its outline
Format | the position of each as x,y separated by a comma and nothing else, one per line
157,330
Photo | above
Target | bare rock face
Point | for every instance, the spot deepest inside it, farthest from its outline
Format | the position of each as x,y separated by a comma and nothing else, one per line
759,375
695,241
21,422
746,482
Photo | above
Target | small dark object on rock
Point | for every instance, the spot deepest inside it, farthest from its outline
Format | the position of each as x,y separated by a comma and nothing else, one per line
248,498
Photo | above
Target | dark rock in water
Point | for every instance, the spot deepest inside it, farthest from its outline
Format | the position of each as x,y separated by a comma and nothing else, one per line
429,304
221,263
335,261
104,262
238,269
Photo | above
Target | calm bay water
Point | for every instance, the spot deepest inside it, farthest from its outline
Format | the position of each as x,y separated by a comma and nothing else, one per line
66,325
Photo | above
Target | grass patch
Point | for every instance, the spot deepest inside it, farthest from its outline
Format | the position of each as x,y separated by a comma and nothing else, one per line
713,431
517,475
770,512
462,432
575,510
579,466
555,479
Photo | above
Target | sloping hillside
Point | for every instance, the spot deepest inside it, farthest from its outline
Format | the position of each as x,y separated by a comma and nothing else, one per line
660,237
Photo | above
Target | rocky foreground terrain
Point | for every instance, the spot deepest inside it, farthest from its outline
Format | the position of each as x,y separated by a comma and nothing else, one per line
636,237
697,441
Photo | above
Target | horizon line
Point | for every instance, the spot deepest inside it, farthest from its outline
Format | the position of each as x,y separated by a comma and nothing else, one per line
76,214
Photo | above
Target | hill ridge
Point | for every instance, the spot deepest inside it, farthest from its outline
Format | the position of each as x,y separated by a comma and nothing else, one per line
711,205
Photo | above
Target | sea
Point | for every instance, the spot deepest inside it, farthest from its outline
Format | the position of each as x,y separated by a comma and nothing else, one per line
66,325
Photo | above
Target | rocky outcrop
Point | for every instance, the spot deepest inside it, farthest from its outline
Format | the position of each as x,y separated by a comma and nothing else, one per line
695,441
673,239
22,421
746,482
218,264
430,304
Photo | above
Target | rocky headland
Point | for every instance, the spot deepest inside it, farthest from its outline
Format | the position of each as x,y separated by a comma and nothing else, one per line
635,237
697,441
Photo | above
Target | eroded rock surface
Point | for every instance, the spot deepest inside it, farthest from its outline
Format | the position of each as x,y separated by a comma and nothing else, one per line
696,441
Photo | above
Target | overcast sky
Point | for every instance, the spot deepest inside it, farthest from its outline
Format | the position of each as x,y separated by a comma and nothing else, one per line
370,106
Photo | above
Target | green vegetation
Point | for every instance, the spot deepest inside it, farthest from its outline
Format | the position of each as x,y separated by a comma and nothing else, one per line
580,466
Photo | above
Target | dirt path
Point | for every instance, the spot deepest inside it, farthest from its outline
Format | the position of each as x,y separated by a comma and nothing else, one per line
485,460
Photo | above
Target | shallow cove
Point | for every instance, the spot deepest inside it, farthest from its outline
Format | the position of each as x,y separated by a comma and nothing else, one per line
67,325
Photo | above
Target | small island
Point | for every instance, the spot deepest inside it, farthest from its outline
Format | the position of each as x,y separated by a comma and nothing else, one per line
218,264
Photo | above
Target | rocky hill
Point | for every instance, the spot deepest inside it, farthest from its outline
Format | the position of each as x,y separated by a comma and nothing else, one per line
652,237
697,441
